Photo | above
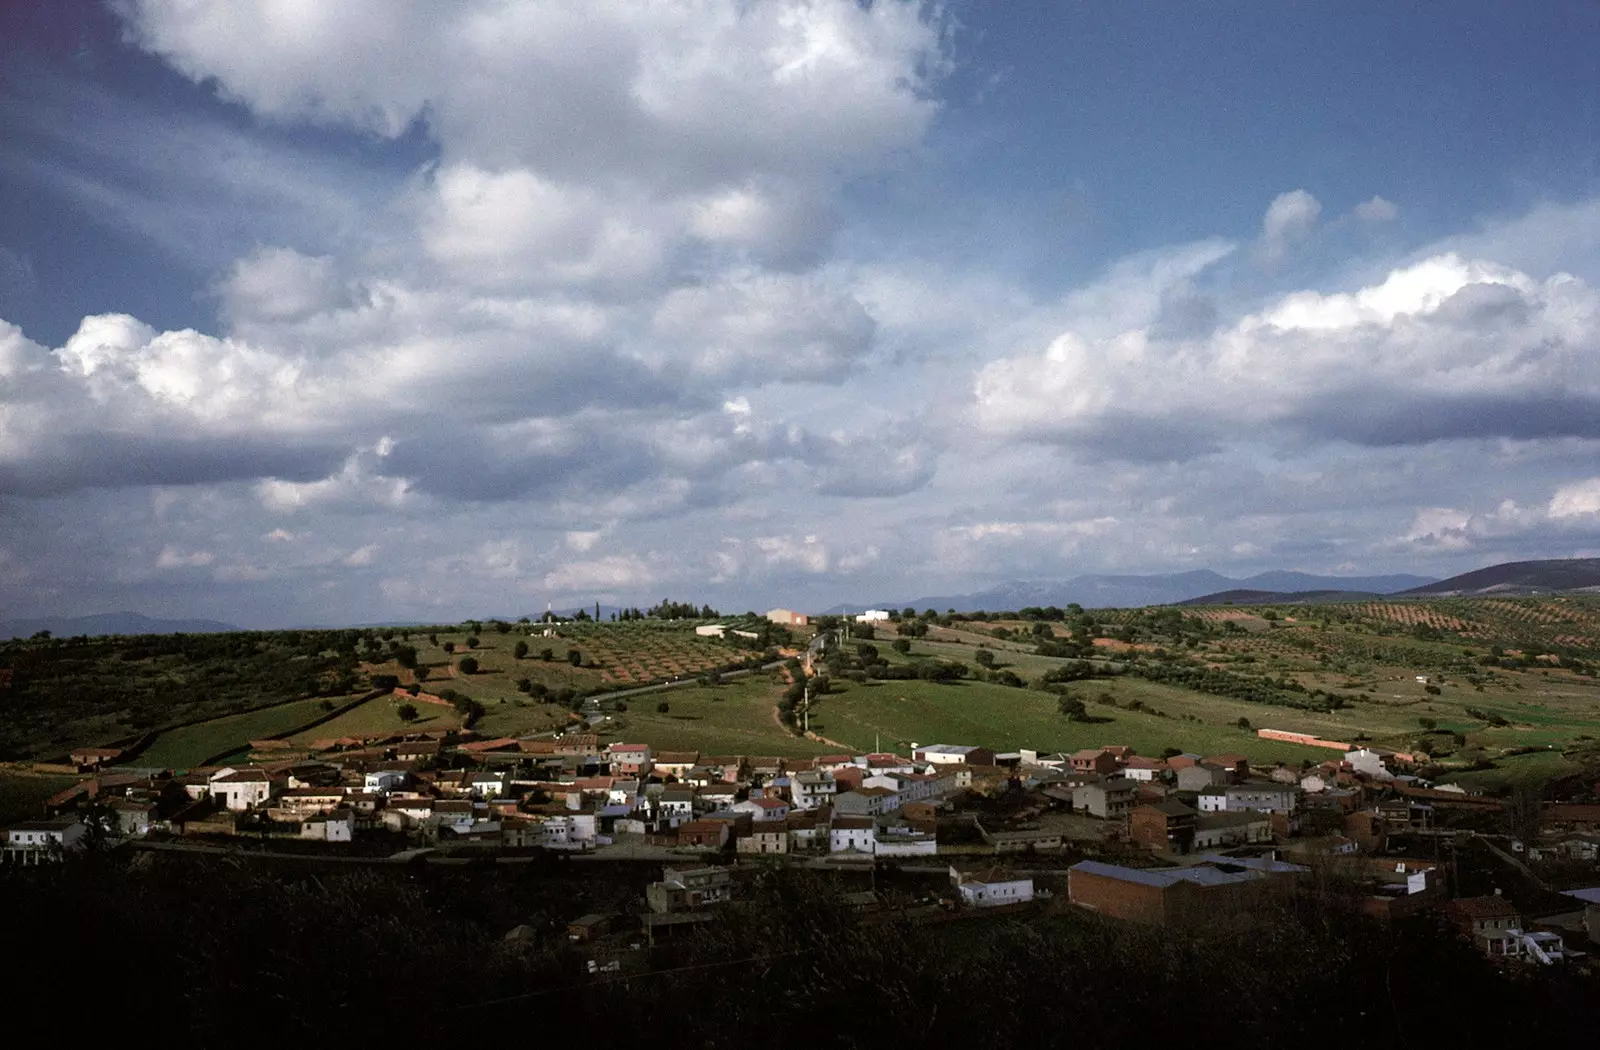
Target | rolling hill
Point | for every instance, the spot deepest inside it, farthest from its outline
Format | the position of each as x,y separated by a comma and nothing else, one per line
1122,592
1516,577
100,624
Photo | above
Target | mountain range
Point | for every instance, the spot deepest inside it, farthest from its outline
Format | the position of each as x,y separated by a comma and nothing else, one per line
108,623
1121,592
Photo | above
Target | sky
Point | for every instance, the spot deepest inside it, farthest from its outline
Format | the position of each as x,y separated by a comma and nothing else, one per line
392,309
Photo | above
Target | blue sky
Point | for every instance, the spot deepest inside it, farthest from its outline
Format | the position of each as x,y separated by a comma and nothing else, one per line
386,310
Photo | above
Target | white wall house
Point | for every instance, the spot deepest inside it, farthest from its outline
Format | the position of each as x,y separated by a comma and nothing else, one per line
383,781
243,789
61,833
873,616
852,835
811,790
572,831
337,826
990,891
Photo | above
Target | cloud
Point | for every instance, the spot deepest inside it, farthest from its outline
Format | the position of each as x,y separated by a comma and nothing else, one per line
1577,500
279,285
761,328
619,573
1445,348
1376,210
1290,218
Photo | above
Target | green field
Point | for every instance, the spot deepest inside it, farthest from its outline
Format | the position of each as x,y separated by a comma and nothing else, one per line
736,718
611,655
22,794
897,714
189,745
380,717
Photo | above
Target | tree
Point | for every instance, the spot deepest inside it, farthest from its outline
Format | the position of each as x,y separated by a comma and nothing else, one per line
1430,724
984,657
1243,723
468,665
575,658
449,647
1073,708
421,672
524,685
901,645
663,707
407,712
547,655
472,641
519,650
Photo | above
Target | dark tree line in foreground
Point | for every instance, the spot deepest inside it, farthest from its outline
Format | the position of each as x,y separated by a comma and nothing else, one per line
214,953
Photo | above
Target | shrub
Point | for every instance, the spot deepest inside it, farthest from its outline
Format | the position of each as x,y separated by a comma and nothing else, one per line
663,707
519,650
468,665
407,712
574,658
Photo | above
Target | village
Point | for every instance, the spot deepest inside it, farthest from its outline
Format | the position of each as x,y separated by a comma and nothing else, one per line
1173,842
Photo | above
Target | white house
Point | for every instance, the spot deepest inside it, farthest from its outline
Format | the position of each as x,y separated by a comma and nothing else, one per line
867,802
675,806
383,781
573,831
1212,800
762,810
811,789
873,616
904,842
1263,797
623,793
991,890
852,835
243,789
1365,760
337,826
712,630
59,834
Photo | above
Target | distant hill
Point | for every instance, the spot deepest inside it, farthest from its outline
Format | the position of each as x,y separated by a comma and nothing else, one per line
108,623
1280,597
1106,591
1517,577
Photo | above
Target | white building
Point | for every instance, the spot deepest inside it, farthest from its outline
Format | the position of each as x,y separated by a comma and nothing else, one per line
712,630
991,890
44,835
241,790
383,781
852,835
1365,760
873,616
575,831
811,789
763,810
337,826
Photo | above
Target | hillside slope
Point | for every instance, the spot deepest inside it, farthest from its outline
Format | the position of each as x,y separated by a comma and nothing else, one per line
1517,577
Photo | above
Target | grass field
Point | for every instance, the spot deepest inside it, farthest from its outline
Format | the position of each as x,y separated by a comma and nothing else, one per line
736,718
380,717
21,794
611,654
190,745
896,714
